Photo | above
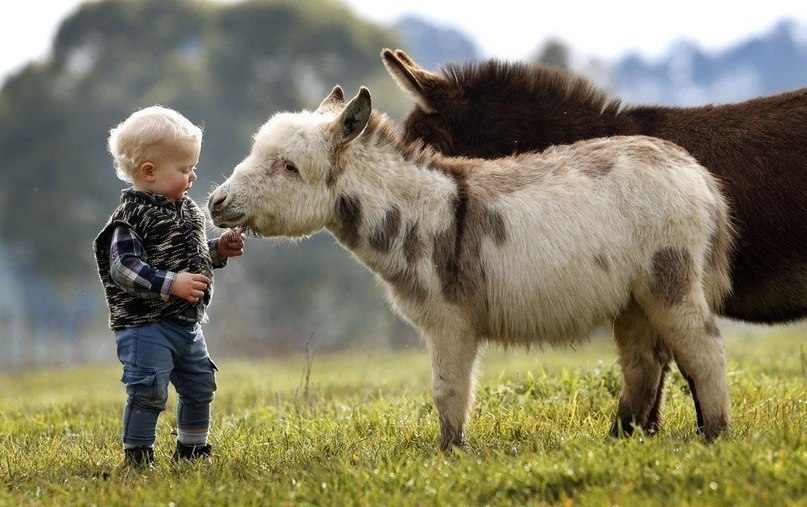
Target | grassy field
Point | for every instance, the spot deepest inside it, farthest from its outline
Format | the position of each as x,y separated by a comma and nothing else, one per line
362,431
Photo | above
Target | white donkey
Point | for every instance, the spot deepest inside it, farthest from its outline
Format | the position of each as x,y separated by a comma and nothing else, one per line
530,249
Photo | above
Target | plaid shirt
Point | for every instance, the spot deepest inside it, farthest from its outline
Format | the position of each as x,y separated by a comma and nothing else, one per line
129,268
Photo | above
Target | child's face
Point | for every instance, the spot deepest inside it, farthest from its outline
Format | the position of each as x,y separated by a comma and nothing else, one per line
173,168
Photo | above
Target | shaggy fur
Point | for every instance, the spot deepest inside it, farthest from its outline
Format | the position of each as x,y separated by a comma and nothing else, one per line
529,249
757,149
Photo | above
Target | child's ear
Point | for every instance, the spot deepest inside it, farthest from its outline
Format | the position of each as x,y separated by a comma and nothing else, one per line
147,171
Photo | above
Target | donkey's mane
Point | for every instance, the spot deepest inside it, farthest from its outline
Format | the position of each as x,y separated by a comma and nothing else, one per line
384,131
519,79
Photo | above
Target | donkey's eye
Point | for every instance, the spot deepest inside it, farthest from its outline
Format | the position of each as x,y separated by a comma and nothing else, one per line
290,167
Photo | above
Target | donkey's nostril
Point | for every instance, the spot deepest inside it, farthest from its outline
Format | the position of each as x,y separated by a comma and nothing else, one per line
218,200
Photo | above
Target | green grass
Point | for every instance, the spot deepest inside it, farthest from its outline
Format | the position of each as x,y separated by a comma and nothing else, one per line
364,431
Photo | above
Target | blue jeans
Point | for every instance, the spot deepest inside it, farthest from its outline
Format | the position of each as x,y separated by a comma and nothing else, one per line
153,355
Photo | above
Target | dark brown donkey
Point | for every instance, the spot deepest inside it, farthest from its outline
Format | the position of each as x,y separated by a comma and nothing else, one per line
758,149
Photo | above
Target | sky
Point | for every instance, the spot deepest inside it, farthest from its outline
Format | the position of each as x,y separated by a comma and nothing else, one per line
513,29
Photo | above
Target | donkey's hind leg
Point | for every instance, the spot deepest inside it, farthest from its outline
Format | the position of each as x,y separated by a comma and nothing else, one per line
698,350
676,307
644,363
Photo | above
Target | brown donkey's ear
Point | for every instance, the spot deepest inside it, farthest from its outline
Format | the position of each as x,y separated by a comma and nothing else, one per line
413,79
353,118
333,102
405,58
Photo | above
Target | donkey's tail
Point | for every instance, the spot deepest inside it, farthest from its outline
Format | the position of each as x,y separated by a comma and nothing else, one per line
717,276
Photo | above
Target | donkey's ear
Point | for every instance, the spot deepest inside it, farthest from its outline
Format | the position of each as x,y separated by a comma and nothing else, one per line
405,58
333,102
412,78
353,118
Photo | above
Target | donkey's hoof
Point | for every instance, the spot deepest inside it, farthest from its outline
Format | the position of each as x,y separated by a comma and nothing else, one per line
622,428
452,441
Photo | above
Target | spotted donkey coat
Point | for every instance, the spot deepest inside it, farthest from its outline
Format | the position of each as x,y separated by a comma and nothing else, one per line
531,249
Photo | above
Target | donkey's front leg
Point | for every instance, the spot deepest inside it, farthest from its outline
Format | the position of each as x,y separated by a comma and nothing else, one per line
453,365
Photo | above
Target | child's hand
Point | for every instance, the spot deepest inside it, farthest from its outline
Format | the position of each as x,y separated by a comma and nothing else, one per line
189,286
231,244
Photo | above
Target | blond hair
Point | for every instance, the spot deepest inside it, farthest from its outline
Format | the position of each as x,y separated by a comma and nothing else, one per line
130,140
